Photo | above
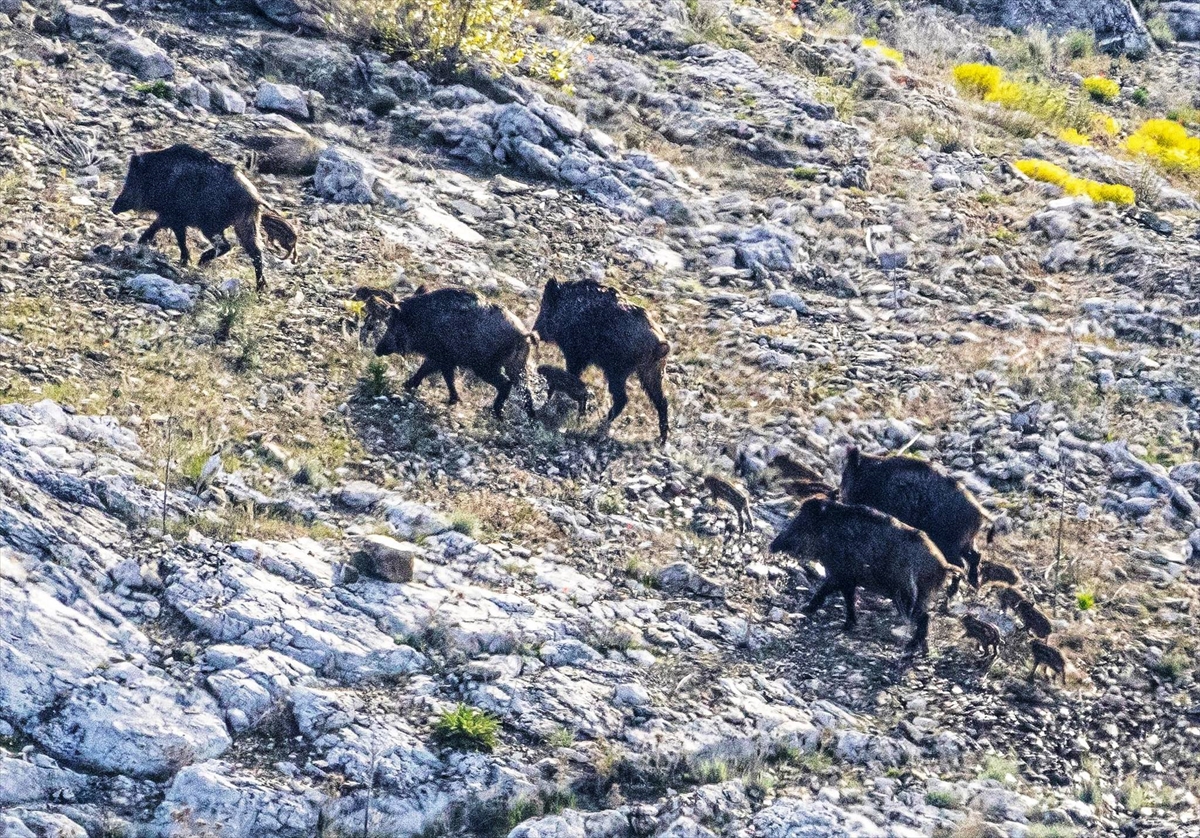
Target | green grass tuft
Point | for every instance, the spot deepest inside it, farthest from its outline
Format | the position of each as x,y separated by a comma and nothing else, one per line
467,729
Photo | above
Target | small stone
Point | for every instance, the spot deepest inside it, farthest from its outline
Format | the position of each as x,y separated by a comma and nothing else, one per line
631,695
285,98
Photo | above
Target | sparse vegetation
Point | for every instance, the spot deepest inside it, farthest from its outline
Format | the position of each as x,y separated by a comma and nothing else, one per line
999,768
465,523
1085,600
446,35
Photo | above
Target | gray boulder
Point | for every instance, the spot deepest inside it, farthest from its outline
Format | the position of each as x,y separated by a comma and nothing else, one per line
235,805
122,45
1117,24
328,68
1184,17
285,98
295,14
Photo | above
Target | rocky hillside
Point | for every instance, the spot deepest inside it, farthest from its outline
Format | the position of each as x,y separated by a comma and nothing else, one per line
252,587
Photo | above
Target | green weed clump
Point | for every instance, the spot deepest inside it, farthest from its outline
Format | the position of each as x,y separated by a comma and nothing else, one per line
467,729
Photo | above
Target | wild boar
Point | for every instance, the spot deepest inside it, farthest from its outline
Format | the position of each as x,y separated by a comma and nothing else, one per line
1046,655
188,187
722,489
922,497
998,572
594,324
983,633
1034,620
559,380
793,470
452,328
862,547
1009,597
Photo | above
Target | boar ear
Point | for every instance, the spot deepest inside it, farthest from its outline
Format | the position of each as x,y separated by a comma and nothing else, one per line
421,289
853,456
551,289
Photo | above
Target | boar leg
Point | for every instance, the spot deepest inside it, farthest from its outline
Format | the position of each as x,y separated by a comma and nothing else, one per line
503,387
818,599
920,636
448,377
151,232
181,239
851,616
515,368
428,367
219,246
651,378
617,389
247,235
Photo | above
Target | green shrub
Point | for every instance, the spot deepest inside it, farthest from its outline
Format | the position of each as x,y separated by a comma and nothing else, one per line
448,35
158,88
374,382
1141,97
467,729
941,799
465,523
1160,30
1085,600
1078,44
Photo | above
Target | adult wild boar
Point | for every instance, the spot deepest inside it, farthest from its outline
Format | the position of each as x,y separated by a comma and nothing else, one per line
594,324
860,547
921,496
452,328
188,187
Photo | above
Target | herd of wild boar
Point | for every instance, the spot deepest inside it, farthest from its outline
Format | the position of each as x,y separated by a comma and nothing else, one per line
895,525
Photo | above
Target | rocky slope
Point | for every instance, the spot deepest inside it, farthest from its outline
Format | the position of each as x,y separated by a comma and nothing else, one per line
342,564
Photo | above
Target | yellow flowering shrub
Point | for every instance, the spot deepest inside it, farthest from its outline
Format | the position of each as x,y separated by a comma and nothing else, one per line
887,52
1167,144
1070,135
1048,172
449,34
1045,101
1101,89
977,79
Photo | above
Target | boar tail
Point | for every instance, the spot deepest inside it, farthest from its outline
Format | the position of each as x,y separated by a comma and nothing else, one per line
662,351
991,533
281,232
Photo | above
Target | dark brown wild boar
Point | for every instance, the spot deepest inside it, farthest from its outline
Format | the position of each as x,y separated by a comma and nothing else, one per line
559,380
1034,620
593,324
1009,597
983,633
860,547
722,489
188,187
793,470
1046,655
453,328
922,497
997,572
